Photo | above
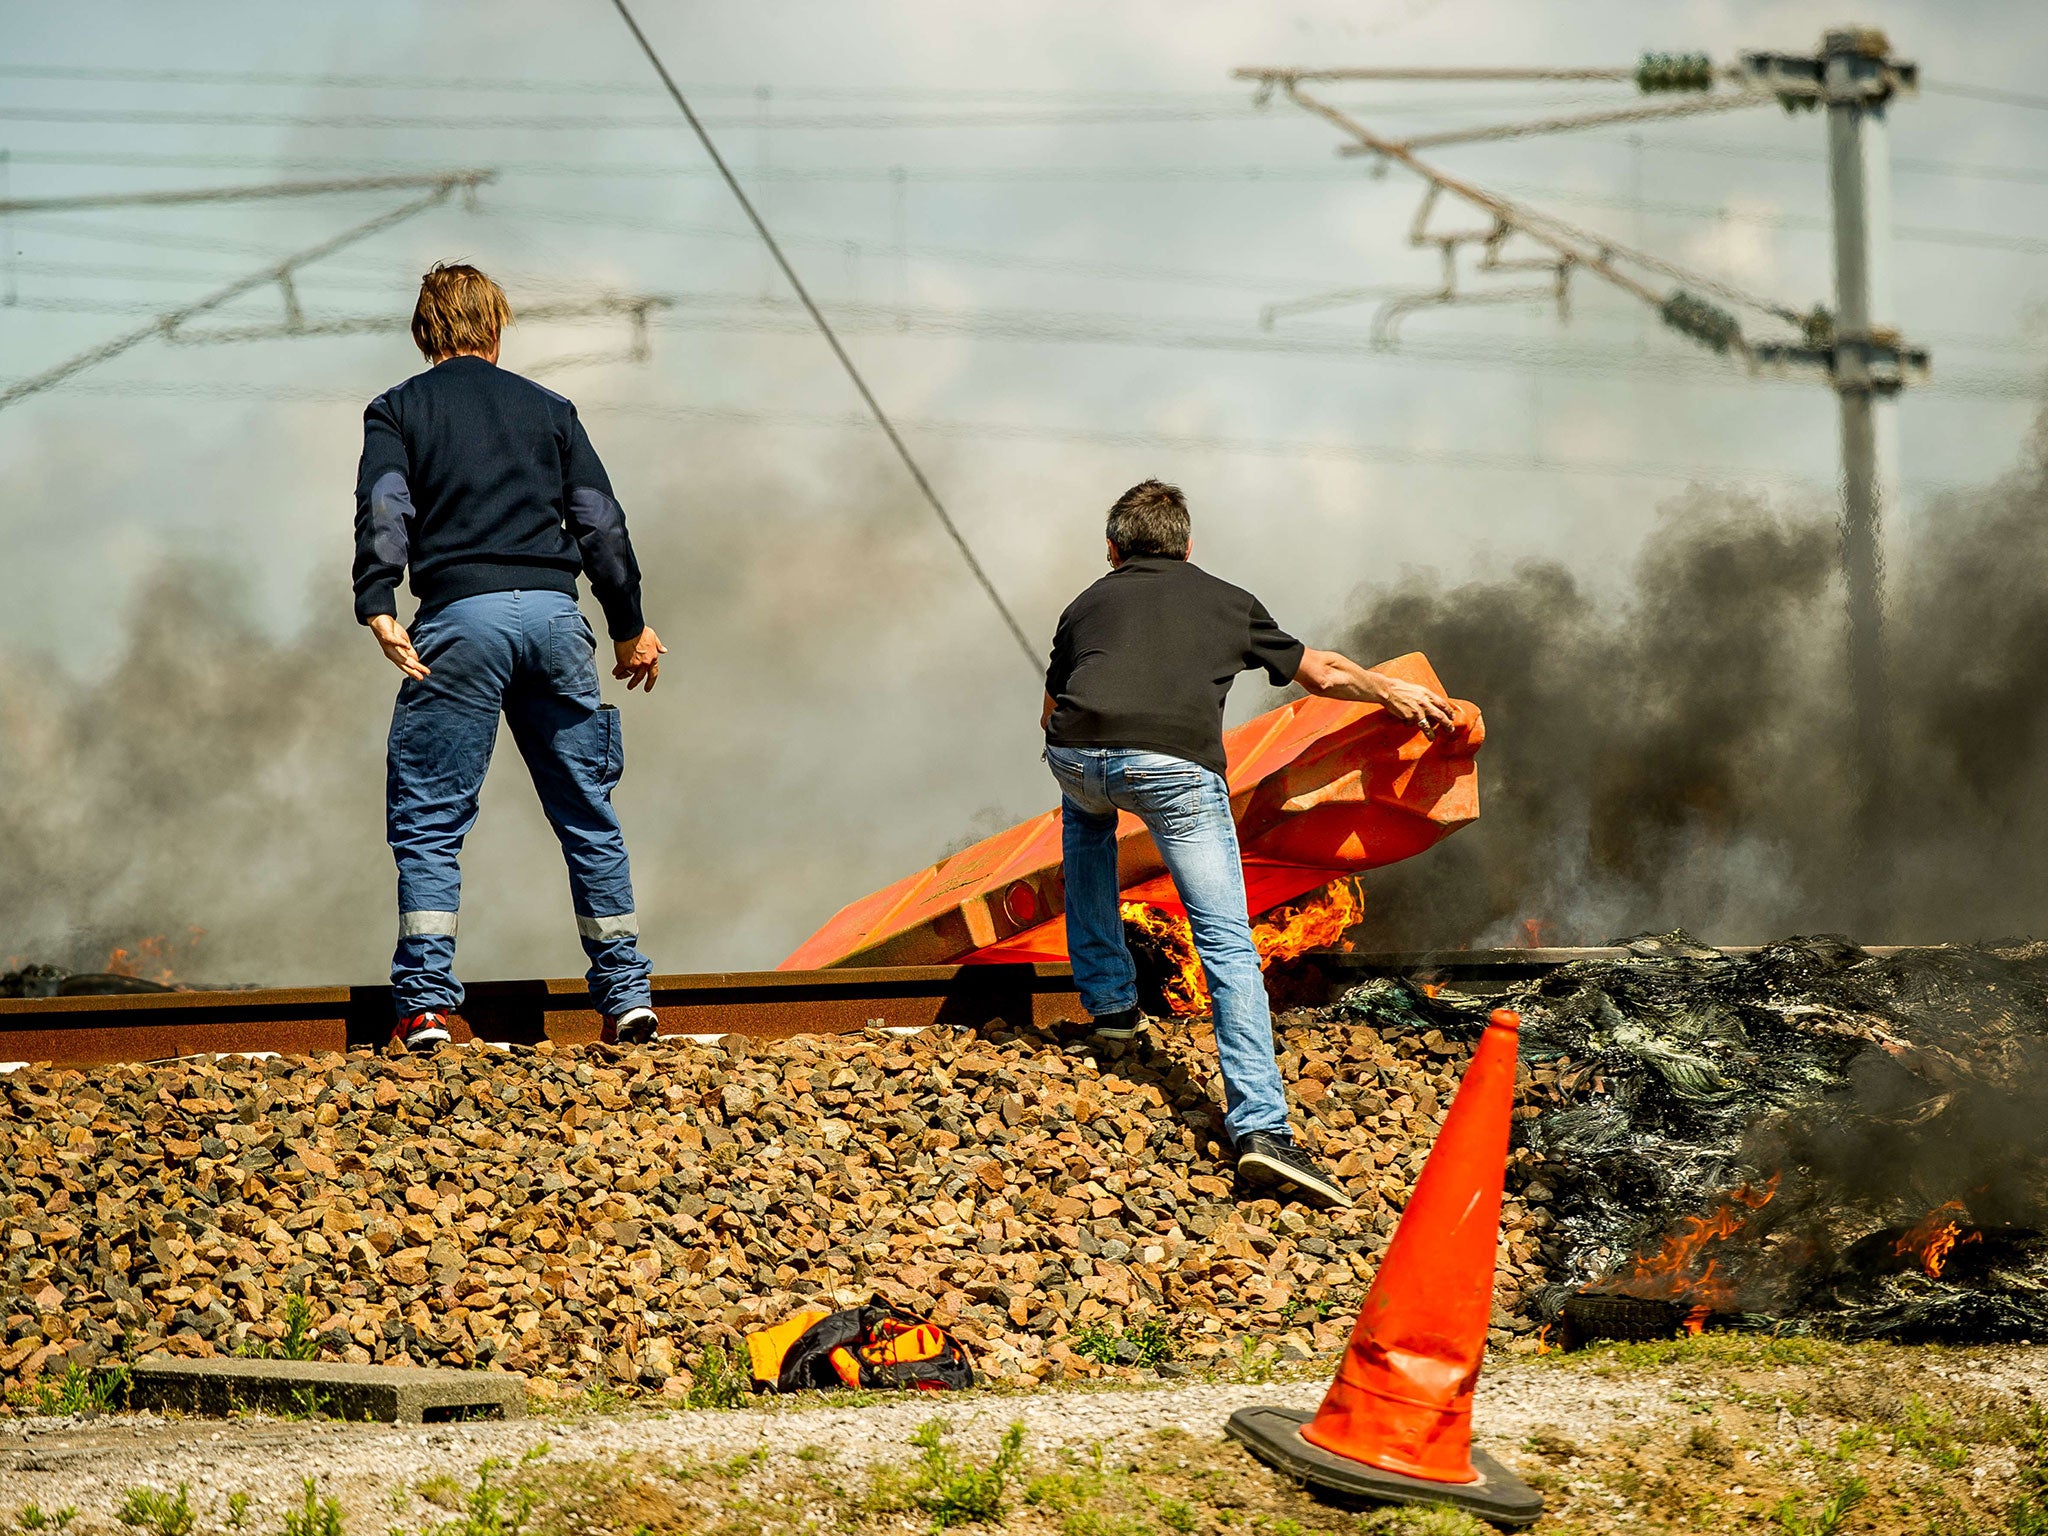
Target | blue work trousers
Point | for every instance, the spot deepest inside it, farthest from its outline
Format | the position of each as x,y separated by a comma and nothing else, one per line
532,657
1186,808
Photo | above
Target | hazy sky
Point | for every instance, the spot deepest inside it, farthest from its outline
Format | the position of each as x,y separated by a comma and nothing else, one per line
1048,230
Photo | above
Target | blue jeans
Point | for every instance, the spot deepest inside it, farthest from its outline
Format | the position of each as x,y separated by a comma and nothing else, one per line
532,656
1186,808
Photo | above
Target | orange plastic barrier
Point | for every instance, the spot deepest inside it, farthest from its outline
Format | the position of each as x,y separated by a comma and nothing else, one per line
1402,1400
1319,788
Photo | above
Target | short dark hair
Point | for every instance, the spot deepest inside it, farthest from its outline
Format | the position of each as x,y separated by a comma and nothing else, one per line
1151,518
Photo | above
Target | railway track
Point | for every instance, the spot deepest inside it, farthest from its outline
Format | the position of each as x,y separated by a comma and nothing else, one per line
763,1005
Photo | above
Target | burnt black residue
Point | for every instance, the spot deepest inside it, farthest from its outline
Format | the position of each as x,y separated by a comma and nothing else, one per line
1868,1094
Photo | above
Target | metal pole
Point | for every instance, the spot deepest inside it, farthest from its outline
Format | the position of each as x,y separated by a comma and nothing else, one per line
1855,88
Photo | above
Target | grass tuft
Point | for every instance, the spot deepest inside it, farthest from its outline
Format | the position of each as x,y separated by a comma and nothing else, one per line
2028,1513
721,1380
950,1488
1827,1520
79,1393
160,1514
317,1516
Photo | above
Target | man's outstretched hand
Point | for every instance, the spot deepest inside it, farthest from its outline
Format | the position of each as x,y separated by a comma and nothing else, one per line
398,646
1333,675
639,660
1412,704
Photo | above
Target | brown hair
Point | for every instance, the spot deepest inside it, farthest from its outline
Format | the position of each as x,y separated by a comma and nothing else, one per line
1151,518
460,310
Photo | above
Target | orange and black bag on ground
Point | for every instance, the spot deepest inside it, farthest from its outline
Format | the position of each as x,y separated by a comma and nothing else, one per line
874,1346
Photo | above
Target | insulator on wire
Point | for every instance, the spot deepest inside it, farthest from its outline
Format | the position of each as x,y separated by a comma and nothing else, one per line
1818,326
1658,72
1693,316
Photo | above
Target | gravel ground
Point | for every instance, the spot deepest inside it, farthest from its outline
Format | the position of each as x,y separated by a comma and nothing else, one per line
1707,1434
54,1463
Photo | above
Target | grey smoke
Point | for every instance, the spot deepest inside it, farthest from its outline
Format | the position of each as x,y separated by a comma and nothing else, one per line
838,709
822,645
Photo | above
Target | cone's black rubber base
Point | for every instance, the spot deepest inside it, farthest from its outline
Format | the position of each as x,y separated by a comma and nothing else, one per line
1274,1436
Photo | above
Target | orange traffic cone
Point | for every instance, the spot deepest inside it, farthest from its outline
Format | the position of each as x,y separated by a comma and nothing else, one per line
1397,1422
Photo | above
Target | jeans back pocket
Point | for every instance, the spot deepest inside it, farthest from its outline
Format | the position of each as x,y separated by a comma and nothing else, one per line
572,654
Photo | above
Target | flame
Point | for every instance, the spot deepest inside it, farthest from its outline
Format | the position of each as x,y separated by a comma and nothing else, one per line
1543,1344
1317,923
157,953
1187,991
1686,1266
1432,988
1935,1236
1696,1320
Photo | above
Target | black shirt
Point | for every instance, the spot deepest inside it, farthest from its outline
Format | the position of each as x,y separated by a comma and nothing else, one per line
1145,657
484,481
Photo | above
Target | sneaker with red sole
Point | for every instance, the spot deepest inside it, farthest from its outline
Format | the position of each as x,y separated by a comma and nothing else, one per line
635,1026
420,1032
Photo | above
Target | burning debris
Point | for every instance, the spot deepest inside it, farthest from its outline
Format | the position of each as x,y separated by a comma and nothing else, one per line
149,964
1810,1135
1163,946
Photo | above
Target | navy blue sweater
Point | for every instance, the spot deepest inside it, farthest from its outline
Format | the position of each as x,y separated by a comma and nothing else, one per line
485,482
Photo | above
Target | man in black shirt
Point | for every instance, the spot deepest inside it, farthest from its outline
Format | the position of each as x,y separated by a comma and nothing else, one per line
1133,721
486,485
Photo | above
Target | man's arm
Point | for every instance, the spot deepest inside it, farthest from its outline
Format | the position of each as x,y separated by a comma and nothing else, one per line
384,514
598,524
1045,714
1331,675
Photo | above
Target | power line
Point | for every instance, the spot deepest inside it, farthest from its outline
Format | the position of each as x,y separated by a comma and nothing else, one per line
1398,455
1108,114
745,314
1987,93
165,324
1285,174
549,85
845,361
612,122
386,281
1373,455
1907,233
528,84
275,189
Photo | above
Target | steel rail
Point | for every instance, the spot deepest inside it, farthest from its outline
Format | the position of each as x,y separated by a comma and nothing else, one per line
763,1005
758,1005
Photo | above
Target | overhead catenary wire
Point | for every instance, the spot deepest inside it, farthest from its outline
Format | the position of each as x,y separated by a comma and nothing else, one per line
1058,175
1389,455
1492,132
744,314
264,192
384,82
278,273
817,315
1987,93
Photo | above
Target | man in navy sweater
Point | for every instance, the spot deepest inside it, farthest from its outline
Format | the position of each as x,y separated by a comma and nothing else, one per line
486,486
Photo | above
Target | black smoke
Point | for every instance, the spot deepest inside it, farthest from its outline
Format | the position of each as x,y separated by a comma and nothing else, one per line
1684,757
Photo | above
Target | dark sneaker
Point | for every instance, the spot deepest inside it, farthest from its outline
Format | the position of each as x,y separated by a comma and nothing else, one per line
1271,1161
1124,1024
633,1027
420,1032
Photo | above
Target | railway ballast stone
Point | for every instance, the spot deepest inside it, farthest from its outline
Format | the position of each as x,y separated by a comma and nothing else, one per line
584,1216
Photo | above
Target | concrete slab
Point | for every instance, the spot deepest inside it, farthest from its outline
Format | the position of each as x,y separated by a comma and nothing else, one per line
394,1394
